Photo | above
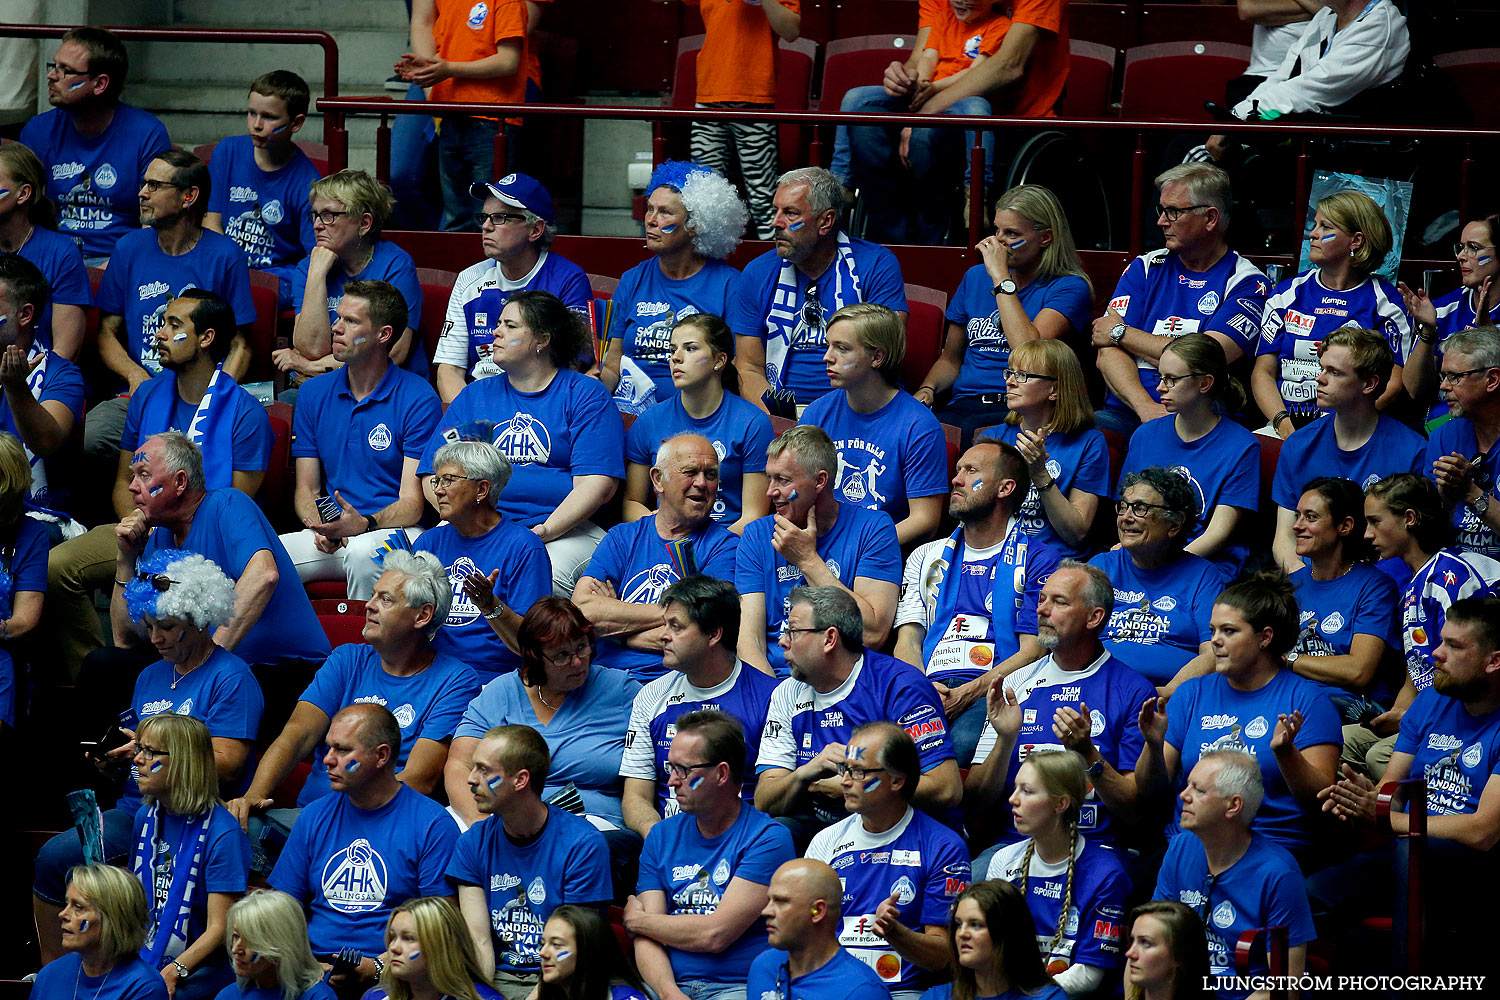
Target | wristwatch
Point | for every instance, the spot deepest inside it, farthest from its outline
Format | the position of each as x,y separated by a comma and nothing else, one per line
1117,333
1006,287
1480,504
182,971
496,612
1095,769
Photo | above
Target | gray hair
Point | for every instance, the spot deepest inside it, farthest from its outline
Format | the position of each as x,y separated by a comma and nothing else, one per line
1175,491
426,583
1239,774
1482,344
1098,591
549,232
271,924
824,190
814,448
479,460
833,607
1206,185
179,454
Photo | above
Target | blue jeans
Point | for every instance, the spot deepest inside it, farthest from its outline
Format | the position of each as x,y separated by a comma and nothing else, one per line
936,156
413,163
60,854
1121,419
466,154
702,989
964,731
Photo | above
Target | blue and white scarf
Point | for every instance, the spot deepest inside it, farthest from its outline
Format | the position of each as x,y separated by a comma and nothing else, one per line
212,426
786,327
169,924
944,585
34,380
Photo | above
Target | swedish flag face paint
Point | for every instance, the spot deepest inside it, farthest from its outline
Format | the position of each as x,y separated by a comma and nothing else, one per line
696,782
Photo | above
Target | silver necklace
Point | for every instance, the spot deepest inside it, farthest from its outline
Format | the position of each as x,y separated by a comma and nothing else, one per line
78,980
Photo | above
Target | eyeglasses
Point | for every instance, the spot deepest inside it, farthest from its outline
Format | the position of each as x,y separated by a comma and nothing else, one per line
1453,378
328,216
64,71
789,630
497,219
443,482
152,186
1174,212
1139,508
158,580
566,657
1471,249
1168,381
681,771
150,753
855,771
1021,378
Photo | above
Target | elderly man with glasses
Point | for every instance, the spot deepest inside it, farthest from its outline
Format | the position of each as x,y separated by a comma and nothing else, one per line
1462,453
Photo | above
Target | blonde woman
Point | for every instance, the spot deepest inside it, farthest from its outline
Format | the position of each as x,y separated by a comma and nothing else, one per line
1074,889
349,209
190,855
23,566
268,949
28,227
430,955
1051,423
1167,957
103,925
1030,285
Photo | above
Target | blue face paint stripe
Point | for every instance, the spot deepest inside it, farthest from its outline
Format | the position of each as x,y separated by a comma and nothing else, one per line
156,765
351,767
1018,244
1483,260
795,226
871,785
1327,236
669,229
495,782
412,956
693,784
83,925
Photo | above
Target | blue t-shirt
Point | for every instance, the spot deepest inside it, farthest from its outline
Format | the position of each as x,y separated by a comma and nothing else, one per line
919,861
1161,615
1207,714
251,439
756,291
842,977
388,263
986,348
221,691
1114,695
1264,888
1448,576
802,720
229,529
525,577
265,212
53,478
1222,467
860,543
362,444
647,305
1457,435
28,570
1046,992
694,872
319,990
1022,568
224,867
1095,920
585,737
886,457
480,293
745,694
61,263
353,866
739,431
1157,294
570,428
95,181
427,705
1362,601
636,561
1455,751
130,979
1078,460
1456,312
568,862
1303,311
142,280
1313,451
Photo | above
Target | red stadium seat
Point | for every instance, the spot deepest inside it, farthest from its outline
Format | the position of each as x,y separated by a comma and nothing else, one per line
924,332
954,437
437,285
794,71
285,794
858,62
603,285
265,292
327,590
1473,73
1170,81
275,493
1091,80
343,621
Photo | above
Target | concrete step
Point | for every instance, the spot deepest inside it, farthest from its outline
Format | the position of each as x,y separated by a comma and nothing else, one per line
365,60
315,14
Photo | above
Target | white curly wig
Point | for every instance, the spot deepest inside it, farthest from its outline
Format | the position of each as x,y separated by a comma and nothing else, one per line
715,212
198,591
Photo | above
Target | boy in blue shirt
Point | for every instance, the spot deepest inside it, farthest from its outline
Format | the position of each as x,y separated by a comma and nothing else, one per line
95,147
262,180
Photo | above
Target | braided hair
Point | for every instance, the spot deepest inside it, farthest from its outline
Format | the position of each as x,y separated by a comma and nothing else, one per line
1061,773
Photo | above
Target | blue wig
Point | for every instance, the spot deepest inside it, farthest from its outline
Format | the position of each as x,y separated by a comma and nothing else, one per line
140,595
199,593
674,174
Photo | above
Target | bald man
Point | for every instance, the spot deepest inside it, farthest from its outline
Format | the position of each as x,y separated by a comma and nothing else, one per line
803,915
638,560
367,846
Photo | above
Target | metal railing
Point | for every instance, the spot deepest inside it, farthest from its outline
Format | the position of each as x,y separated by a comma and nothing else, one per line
1304,133
335,136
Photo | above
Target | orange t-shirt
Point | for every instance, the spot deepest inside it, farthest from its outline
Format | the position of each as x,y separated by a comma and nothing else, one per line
467,30
738,58
959,43
533,61
1047,72
929,12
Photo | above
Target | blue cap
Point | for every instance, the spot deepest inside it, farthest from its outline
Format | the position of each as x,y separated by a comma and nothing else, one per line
517,191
